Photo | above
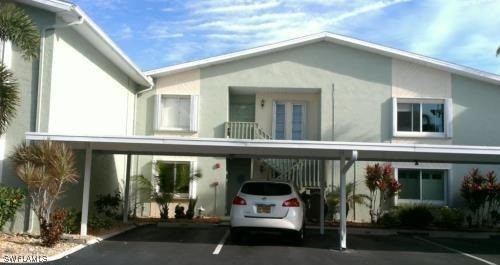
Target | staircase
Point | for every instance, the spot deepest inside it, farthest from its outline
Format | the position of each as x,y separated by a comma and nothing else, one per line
304,173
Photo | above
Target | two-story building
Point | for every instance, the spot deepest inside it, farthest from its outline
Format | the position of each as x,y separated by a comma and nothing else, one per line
322,87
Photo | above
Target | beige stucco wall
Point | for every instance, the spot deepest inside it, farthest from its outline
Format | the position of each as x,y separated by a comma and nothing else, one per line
410,80
264,115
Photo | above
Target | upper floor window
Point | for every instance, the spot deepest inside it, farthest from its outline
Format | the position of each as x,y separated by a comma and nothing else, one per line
289,120
422,117
177,112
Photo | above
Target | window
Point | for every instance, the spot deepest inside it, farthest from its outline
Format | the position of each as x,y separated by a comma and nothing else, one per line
177,112
176,176
289,121
422,117
422,185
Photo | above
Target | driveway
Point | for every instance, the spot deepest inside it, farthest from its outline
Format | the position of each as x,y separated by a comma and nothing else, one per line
169,245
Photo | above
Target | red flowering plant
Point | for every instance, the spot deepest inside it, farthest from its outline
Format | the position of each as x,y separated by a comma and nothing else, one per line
482,194
382,185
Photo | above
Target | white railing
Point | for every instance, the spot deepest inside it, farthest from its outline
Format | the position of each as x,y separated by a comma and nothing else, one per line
304,173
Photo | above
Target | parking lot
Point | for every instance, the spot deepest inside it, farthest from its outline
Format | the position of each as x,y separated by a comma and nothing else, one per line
173,245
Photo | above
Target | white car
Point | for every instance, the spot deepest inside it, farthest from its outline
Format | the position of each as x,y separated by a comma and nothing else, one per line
263,205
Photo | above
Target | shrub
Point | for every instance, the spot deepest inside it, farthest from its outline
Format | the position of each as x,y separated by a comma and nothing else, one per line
10,200
449,217
390,218
99,221
72,223
45,167
51,231
417,216
379,179
108,204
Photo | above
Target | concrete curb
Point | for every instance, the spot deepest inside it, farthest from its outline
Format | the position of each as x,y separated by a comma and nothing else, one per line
88,243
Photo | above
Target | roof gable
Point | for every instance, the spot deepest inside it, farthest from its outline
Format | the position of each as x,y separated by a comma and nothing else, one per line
337,39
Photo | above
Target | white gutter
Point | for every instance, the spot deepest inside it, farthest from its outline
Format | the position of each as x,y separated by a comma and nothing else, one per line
41,63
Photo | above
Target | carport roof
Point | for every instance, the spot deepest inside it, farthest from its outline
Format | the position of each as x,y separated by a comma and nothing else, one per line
222,147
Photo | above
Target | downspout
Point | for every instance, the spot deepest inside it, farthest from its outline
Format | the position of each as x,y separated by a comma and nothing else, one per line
40,83
41,63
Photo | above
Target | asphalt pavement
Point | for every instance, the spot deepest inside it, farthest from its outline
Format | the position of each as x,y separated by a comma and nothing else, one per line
211,246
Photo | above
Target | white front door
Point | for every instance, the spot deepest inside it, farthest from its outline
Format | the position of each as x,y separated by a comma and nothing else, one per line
289,119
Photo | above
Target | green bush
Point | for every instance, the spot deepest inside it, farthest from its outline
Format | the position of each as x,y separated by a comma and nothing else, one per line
10,200
449,217
390,219
416,216
72,223
100,221
108,204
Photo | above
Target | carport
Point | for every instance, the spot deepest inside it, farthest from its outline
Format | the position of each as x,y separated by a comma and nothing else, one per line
345,152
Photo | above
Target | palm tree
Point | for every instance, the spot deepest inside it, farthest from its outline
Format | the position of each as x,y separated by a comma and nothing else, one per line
333,198
15,26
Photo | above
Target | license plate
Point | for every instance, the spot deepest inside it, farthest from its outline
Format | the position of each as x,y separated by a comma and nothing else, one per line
263,208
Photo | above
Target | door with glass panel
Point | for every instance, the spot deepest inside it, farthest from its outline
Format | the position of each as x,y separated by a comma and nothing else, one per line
289,121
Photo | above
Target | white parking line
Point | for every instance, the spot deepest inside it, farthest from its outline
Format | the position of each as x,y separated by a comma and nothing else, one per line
221,243
456,251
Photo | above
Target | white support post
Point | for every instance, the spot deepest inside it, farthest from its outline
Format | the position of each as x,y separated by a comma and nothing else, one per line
343,210
344,167
86,191
127,190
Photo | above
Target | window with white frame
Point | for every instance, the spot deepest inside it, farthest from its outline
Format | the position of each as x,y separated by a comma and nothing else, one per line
289,120
428,185
422,117
177,112
175,176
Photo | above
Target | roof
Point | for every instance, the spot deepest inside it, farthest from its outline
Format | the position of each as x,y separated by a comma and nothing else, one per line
70,12
333,38
222,147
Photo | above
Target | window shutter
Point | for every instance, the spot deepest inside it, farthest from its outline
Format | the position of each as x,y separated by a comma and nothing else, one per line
448,104
194,113
394,116
157,114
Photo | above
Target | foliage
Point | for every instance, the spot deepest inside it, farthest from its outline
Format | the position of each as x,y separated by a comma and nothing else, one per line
15,26
72,223
99,221
9,93
482,195
45,167
50,232
417,216
10,200
333,198
165,182
381,182
390,219
449,217
108,204
191,208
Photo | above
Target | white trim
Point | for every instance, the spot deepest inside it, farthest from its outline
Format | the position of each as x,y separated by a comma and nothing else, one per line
214,147
334,38
193,113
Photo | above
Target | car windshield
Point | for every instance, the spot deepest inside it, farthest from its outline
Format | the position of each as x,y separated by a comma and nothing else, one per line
266,189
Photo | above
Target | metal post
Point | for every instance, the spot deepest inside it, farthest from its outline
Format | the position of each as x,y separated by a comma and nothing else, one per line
86,191
342,228
127,190
322,204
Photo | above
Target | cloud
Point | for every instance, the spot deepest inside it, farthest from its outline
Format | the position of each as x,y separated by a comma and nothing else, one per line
125,32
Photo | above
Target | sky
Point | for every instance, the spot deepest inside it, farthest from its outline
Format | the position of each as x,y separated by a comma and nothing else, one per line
159,33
